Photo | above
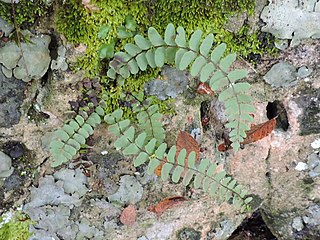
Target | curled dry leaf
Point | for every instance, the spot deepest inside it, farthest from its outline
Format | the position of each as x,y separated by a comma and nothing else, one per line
256,133
184,140
128,215
165,204
259,131
204,88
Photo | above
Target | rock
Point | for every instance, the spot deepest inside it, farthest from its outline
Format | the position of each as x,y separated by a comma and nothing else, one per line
316,143
301,166
313,216
281,44
313,161
5,27
14,149
292,19
304,72
60,62
6,168
29,62
309,120
11,97
297,223
189,233
282,74
9,1
236,22
174,83
129,192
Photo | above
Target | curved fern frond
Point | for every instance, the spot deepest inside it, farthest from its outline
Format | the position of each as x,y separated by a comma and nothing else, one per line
204,175
203,61
69,139
149,121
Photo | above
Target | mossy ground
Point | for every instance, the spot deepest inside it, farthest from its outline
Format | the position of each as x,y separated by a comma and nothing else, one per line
80,24
16,229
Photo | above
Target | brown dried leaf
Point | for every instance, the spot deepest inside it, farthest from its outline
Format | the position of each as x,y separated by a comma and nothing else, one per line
204,88
260,131
184,140
165,204
128,215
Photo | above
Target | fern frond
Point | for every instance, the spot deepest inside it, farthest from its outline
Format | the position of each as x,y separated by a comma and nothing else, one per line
69,139
204,62
204,175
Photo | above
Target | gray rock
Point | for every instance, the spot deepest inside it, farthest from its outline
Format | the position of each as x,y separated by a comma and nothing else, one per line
60,62
129,192
29,62
313,216
9,1
281,44
11,97
313,160
304,72
282,74
297,223
5,27
309,102
6,168
175,82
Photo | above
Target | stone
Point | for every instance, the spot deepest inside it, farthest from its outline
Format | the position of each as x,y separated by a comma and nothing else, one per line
6,168
60,62
281,44
316,143
297,223
282,74
313,161
312,218
31,61
174,83
304,72
301,166
5,27
309,102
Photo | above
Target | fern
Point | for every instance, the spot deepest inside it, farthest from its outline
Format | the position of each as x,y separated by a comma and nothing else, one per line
205,174
209,65
72,135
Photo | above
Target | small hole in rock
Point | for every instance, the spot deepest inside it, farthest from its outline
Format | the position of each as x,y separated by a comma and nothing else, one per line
253,227
276,109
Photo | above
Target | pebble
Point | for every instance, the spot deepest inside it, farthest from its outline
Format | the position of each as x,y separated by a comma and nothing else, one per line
301,166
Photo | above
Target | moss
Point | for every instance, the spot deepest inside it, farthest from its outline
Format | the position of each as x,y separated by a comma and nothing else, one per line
26,11
16,228
79,24
211,16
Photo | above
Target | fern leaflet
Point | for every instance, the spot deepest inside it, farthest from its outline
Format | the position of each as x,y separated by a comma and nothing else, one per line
205,174
69,139
207,64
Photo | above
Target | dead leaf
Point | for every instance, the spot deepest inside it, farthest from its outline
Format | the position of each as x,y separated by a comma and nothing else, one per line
184,140
128,215
256,133
259,131
204,88
165,204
